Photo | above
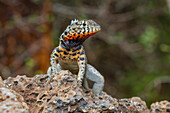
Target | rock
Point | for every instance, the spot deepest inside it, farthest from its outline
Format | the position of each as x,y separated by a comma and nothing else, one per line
10,101
134,104
62,95
160,107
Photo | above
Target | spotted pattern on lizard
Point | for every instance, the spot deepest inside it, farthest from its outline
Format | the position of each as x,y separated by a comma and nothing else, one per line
70,54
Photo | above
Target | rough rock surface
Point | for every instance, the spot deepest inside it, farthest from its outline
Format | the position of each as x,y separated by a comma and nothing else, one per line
10,101
62,95
160,107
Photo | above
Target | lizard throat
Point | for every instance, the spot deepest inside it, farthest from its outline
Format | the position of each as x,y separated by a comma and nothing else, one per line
70,44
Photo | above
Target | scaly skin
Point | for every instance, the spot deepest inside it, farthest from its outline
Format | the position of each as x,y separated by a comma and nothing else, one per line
70,54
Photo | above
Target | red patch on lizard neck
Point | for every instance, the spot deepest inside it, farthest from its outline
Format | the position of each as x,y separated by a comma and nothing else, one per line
78,37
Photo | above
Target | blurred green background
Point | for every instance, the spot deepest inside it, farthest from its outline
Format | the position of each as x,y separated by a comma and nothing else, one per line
132,51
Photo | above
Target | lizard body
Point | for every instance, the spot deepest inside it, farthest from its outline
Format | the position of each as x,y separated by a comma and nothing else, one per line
70,54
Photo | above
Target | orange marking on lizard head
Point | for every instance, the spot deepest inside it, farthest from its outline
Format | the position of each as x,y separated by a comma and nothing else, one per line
79,31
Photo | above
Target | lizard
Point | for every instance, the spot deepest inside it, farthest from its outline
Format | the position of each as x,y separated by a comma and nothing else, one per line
70,54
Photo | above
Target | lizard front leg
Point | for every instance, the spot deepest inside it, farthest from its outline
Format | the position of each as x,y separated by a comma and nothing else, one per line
52,70
82,66
53,62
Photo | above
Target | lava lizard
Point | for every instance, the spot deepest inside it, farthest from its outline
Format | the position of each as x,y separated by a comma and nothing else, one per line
70,54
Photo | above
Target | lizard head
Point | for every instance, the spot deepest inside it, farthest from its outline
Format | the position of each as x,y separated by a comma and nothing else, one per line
78,31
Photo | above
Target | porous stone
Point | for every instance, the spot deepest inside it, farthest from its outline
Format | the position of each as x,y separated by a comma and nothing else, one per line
10,101
160,107
63,95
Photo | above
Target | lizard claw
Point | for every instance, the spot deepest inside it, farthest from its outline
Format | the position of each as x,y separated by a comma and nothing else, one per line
54,73
79,84
51,72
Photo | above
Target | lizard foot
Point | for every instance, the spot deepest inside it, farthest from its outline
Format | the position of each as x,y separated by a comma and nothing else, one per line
79,84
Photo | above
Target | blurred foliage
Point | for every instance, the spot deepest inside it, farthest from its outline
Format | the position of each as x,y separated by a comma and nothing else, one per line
149,39
132,51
